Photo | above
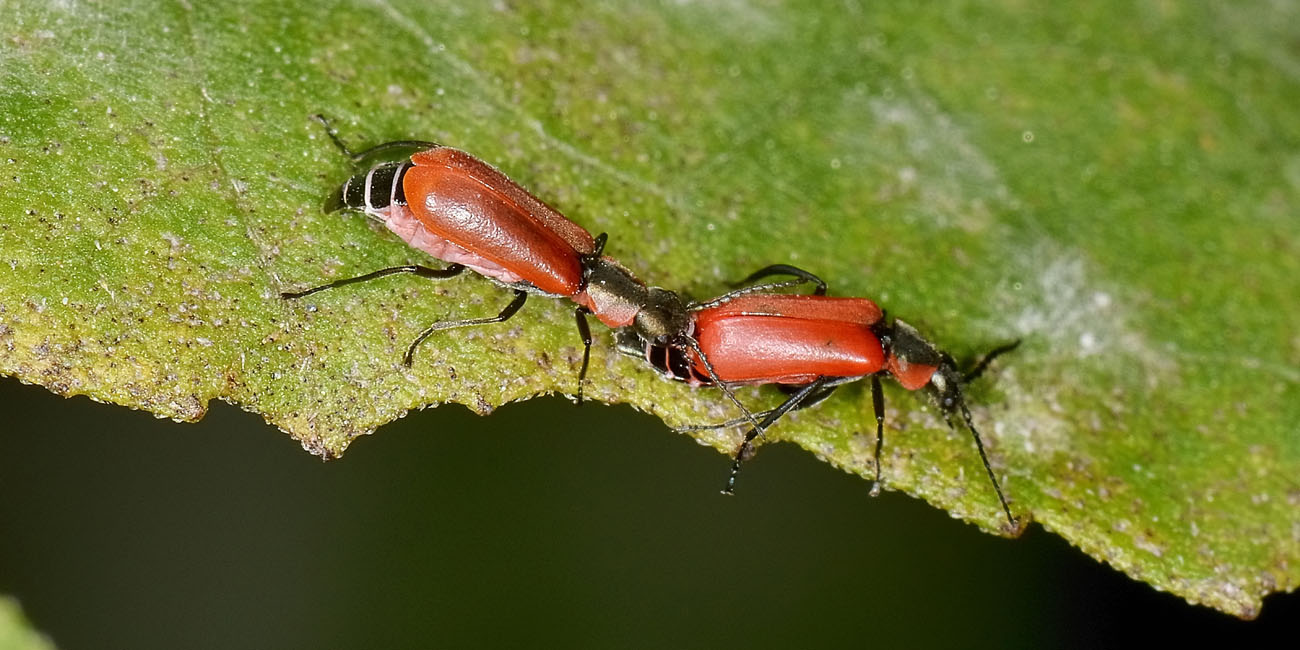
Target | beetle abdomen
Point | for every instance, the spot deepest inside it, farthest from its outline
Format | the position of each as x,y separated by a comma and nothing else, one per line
376,189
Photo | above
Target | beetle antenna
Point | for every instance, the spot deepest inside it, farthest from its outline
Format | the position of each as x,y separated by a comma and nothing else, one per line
974,373
979,444
334,135
772,416
708,366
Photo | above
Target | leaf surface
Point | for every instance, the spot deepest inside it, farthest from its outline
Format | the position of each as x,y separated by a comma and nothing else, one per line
1115,184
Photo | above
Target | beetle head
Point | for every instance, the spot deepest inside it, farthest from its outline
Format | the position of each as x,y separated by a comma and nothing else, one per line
663,318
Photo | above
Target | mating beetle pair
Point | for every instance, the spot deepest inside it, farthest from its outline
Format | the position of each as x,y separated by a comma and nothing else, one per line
461,210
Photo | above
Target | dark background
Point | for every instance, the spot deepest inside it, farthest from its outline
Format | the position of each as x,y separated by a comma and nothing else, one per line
544,524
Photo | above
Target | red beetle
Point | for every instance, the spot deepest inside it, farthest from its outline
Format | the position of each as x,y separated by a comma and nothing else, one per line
809,345
461,210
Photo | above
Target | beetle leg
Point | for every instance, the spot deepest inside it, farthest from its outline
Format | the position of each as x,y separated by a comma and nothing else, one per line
877,402
789,389
801,277
786,269
726,390
422,271
584,330
514,306
396,150
734,422
732,295
878,407
772,416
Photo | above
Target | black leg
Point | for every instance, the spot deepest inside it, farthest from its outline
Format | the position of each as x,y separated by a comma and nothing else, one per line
726,390
732,295
584,330
811,400
734,422
422,271
774,415
878,405
786,269
514,306
983,364
395,150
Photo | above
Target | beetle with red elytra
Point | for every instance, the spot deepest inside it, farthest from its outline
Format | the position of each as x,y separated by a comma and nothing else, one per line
809,345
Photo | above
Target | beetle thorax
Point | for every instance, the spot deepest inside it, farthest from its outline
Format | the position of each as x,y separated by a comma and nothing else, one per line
612,293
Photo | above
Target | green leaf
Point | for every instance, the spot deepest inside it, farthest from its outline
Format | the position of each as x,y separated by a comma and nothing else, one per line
1115,184
16,631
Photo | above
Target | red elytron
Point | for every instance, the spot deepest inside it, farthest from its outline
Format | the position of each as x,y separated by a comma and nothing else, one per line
809,345
775,338
457,208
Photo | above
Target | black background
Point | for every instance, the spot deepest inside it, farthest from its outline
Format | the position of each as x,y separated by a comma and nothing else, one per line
544,524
